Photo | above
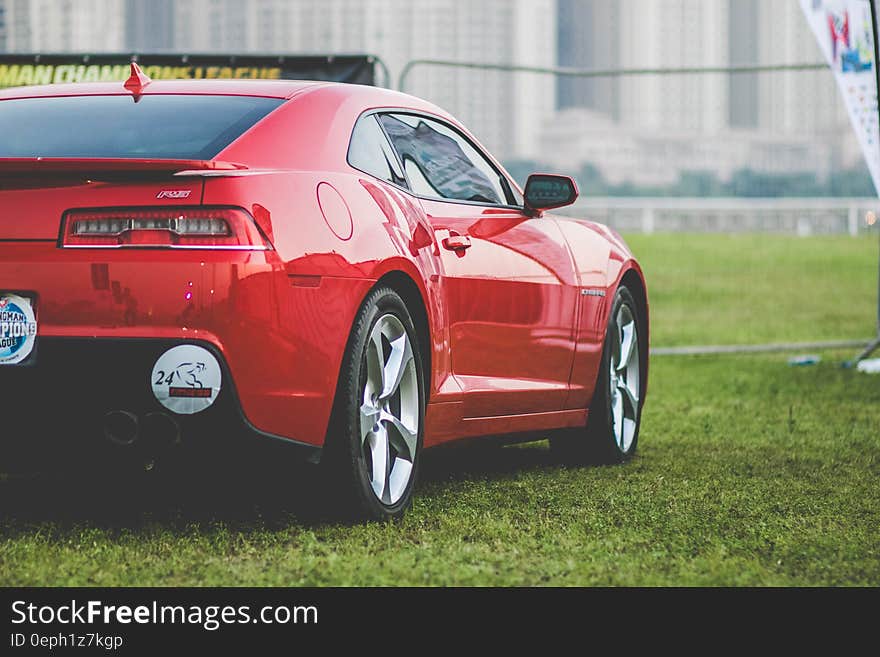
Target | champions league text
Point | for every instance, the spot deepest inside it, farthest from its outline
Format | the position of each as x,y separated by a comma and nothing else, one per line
13,327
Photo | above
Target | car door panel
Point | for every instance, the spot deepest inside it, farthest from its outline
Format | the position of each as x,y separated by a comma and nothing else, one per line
511,299
509,281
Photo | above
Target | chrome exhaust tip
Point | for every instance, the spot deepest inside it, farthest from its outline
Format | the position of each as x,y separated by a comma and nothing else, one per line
160,431
121,428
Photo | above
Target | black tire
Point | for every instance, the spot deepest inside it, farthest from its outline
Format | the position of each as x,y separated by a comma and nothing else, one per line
597,443
345,458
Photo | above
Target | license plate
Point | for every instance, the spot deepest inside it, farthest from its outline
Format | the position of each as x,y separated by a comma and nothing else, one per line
18,328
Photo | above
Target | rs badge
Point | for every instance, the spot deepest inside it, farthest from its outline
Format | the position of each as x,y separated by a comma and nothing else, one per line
174,193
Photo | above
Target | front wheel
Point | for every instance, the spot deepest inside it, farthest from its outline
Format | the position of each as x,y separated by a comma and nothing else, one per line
377,426
612,432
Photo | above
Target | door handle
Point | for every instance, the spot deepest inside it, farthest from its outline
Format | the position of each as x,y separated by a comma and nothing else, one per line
456,242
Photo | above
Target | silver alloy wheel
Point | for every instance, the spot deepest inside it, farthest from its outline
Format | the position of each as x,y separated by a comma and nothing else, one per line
389,413
625,372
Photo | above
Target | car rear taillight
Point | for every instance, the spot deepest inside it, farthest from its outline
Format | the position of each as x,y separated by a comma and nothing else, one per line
170,228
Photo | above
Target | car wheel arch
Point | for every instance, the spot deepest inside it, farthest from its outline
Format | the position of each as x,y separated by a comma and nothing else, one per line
632,277
405,286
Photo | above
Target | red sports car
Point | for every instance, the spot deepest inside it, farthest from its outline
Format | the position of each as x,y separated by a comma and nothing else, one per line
340,269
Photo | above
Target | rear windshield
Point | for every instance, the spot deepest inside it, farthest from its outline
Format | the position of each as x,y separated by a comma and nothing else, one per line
158,126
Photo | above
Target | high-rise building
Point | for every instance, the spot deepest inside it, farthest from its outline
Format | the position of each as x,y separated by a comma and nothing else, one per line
149,25
50,26
601,34
743,50
788,103
650,128
213,25
3,26
589,38
673,34
15,25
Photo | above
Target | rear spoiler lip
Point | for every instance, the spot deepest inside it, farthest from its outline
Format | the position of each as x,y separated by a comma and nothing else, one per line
23,165
228,173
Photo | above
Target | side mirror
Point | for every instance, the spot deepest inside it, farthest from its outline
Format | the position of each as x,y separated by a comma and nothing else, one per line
545,191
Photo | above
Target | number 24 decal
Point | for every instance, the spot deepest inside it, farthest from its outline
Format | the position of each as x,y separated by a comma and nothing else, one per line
191,370
163,379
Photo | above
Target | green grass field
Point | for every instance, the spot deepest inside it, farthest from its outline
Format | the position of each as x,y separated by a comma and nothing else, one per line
749,289
749,472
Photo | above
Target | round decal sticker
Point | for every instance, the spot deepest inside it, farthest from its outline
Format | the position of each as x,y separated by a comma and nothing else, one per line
186,379
18,329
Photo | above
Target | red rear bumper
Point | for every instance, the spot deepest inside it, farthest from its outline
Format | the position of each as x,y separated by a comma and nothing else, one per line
281,341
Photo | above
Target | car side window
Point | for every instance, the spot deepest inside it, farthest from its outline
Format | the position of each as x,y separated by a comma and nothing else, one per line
370,152
442,164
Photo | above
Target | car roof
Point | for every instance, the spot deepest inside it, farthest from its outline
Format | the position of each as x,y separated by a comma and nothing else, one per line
284,89
266,88
367,96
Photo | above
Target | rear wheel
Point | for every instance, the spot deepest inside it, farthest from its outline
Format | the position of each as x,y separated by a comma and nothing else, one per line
612,431
376,431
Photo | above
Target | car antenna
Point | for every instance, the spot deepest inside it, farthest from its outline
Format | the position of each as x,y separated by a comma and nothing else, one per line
137,81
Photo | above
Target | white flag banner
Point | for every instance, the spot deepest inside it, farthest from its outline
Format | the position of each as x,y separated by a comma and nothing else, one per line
845,31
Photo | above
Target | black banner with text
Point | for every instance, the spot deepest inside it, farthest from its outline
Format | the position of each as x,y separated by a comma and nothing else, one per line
23,70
